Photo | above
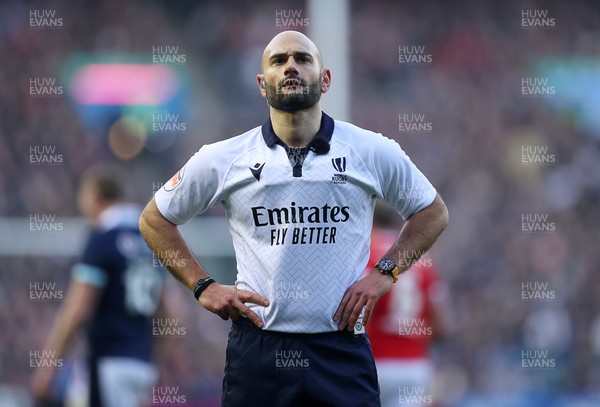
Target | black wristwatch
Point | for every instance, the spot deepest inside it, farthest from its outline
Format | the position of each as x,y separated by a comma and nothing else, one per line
201,286
388,266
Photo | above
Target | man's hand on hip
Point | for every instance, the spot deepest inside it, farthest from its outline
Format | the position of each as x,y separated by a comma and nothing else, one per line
364,293
228,302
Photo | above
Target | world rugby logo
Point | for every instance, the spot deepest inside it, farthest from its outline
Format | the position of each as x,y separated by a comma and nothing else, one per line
339,164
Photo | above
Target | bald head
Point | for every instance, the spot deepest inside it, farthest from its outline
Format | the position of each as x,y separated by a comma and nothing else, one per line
293,77
289,42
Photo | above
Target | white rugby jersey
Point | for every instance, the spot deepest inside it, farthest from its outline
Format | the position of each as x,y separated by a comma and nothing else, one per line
300,241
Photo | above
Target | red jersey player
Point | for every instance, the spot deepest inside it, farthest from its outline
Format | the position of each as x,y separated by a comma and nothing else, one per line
403,324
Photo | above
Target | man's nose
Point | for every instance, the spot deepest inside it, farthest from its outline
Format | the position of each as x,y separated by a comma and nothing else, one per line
290,67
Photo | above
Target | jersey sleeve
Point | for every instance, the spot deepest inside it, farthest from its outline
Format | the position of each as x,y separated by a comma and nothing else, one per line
403,185
193,189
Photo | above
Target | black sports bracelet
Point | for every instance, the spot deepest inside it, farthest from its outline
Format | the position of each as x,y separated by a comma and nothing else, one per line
201,286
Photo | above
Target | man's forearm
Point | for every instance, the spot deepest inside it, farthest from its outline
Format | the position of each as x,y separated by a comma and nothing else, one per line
80,302
168,245
66,325
419,233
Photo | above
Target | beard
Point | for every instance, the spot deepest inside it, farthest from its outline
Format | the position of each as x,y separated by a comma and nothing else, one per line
294,101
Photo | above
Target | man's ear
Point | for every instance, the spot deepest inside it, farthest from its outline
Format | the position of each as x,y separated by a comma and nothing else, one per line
260,78
325,80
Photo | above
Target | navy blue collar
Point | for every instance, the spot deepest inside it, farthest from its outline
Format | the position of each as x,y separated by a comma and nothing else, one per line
325,131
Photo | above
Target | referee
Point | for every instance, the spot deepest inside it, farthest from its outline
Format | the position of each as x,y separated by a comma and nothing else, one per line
299,193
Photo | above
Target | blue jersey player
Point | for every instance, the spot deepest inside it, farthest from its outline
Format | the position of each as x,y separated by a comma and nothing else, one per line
114,291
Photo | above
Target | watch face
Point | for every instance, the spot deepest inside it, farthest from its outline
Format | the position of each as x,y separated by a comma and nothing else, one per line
386,265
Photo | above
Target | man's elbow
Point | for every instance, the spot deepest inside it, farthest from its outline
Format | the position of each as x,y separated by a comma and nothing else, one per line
437,213
442,213
150,217
143,221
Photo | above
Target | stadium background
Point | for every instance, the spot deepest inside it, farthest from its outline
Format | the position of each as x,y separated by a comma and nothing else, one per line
519,171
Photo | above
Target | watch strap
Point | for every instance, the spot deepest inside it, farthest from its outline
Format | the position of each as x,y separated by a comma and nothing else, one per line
201,285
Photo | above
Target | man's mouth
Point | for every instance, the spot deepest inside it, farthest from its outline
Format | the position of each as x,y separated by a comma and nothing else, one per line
292,82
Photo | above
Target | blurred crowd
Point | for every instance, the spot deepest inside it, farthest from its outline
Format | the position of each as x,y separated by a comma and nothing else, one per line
470,93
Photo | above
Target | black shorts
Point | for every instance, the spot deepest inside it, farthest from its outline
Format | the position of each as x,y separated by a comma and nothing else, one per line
272,369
